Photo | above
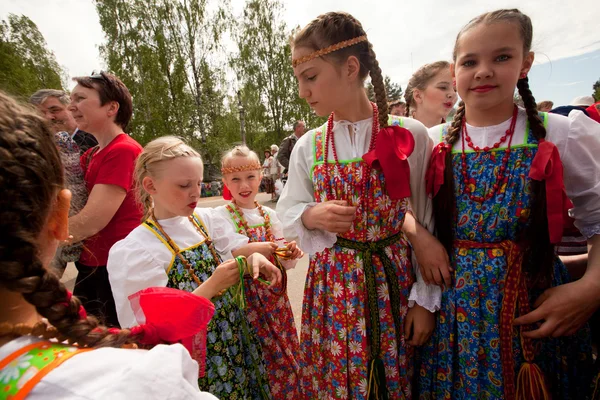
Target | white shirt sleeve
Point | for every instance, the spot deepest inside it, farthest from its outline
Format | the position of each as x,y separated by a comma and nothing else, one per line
298,195
222,232
131,269
578,141
427,296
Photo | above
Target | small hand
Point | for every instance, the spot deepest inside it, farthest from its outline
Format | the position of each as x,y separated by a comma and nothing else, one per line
433,260
265,248
418,325
333,216
258,264
293,251
563,309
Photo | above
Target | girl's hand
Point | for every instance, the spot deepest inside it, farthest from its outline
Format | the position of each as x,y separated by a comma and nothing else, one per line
265,248
433,259
334,216
225,275
258,264
563,309
418,325
294,251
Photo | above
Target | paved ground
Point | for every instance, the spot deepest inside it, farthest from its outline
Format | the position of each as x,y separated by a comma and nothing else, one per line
296,276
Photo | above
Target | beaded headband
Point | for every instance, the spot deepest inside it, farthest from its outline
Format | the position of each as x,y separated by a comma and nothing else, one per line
330,49
247,167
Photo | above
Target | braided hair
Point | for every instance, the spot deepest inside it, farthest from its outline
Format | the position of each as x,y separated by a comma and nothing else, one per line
30,179
539,254
334,27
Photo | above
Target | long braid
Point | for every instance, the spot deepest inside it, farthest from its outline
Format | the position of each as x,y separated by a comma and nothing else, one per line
31,176
540,252
379,88
445,201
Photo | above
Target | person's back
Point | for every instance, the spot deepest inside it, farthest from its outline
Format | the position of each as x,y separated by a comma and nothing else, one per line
34,211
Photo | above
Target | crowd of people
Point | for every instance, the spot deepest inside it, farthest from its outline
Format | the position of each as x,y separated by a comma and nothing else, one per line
453,252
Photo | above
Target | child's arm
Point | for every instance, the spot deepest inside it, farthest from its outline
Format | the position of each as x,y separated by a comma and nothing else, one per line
428,254
418,325
265,248
222,232
565,308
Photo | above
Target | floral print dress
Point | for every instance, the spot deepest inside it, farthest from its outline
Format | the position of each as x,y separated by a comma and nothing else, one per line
355,300
270,314
234,364
463,357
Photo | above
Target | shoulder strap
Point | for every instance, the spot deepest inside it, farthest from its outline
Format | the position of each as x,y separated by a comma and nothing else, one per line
24,368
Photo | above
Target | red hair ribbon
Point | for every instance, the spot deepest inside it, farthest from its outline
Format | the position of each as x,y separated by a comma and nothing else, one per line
172,315
394,146
226,193
434,178
82,313
547,166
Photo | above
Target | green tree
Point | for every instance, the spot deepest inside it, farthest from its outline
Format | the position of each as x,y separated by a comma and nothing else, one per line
166,52
26,63
596,88
393,89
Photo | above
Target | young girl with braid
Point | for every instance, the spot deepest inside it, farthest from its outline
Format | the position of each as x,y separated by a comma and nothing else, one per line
268,310
345,202
180,245
36,306
512,325
430,94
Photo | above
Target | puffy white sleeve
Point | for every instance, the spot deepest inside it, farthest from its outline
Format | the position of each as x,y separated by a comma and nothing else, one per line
581,163
130,269
277,229
427,296
297,196
222,232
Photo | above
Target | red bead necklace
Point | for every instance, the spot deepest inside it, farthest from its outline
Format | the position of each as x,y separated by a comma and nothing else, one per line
501,177
267,224
366,172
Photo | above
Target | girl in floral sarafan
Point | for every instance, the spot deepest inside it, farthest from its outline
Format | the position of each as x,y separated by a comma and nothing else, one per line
512,325
352,185
268,310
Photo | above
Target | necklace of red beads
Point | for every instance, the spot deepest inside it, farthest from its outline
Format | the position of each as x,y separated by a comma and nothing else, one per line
500,177
365,199
268,233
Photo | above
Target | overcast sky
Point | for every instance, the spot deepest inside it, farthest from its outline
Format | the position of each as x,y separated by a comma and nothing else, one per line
405,34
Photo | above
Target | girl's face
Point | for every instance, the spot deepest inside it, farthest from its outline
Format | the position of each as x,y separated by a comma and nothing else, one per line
175,186
85,107
439,96
243,185
489,62
325,86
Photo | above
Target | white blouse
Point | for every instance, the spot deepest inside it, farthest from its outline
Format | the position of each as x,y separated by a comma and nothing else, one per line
164,372
577,138
141,259
254,218
352,140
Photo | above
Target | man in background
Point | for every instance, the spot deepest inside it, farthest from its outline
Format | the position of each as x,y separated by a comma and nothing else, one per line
285,150
53,105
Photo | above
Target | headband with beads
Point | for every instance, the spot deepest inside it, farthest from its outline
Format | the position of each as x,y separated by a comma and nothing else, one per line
330,49
247,167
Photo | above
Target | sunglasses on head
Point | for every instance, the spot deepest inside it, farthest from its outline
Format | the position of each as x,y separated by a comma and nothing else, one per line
98,75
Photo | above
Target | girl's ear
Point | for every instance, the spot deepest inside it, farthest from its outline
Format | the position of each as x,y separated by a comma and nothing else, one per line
352,68
527,63
453,70
418,96
148,185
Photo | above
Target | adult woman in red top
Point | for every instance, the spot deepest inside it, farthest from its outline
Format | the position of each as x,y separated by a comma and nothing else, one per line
101,104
